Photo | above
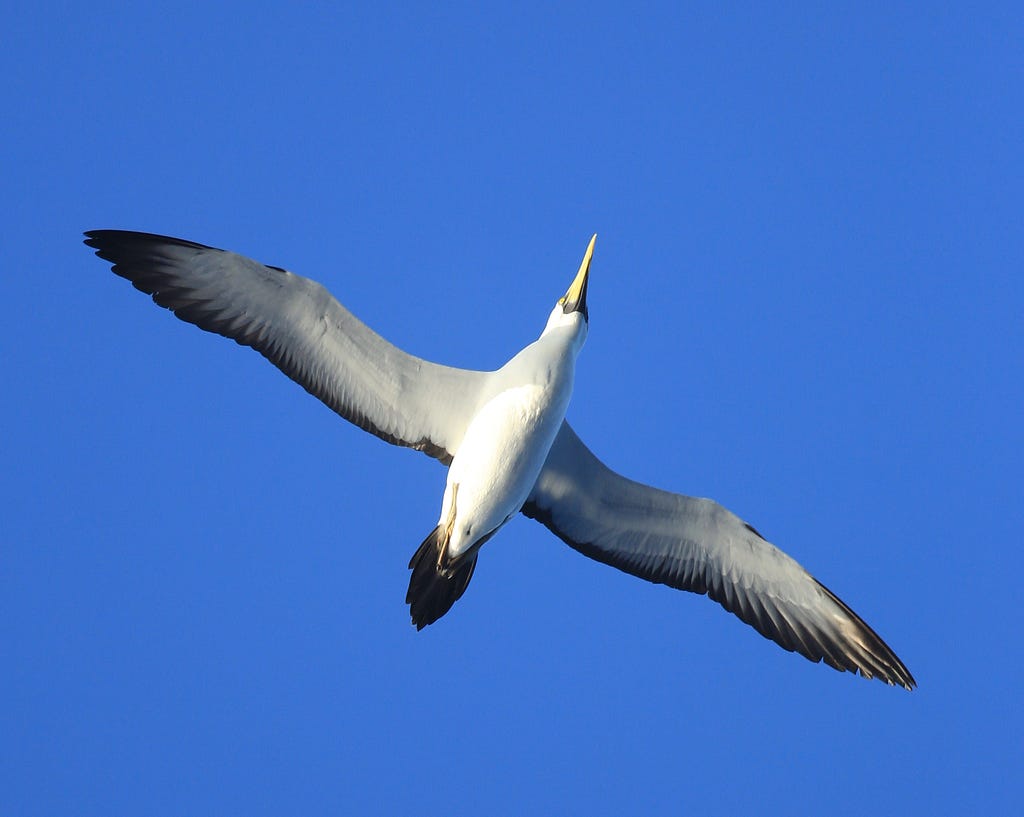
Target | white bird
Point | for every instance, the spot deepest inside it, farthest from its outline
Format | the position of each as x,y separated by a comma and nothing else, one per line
509,448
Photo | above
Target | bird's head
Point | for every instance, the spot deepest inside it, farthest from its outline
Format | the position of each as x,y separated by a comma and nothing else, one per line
571,310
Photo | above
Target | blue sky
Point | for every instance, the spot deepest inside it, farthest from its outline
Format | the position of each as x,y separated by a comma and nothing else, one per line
806,303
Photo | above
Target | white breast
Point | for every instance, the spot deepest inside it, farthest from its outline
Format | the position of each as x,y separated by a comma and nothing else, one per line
499,459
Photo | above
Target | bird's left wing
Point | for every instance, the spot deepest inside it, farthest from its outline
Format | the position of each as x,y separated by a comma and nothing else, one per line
299,327
697,545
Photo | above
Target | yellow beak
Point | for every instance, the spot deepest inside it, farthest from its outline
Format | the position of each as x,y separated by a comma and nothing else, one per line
575,299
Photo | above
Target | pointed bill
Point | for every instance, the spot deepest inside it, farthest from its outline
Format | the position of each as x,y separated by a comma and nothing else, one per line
575,299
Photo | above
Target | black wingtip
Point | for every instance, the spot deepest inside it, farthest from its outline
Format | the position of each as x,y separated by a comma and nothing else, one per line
883,662
105,241
434,587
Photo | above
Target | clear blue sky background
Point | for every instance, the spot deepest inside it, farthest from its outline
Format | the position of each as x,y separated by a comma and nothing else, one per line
806,303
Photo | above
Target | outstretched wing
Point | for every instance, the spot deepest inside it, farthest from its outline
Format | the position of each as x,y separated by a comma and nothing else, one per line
697,545
299,327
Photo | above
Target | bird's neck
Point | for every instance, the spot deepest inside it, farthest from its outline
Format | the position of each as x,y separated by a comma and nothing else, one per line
569,331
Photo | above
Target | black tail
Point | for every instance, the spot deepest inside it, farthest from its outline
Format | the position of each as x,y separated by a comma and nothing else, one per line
436,584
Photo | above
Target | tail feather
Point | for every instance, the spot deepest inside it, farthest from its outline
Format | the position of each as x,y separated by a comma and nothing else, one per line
436,584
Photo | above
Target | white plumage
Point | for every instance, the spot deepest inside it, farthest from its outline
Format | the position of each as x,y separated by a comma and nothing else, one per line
509,448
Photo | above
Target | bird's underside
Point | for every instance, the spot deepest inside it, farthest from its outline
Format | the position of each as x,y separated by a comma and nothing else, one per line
684,542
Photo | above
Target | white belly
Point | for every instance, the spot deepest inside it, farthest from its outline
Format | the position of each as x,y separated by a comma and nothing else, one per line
498,461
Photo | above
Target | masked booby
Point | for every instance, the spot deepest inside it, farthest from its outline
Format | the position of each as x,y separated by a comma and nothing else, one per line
509,449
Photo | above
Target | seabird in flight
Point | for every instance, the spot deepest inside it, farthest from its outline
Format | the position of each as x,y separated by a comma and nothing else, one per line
509,449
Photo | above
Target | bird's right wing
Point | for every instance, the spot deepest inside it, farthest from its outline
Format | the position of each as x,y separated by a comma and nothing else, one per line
697,545
299,327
